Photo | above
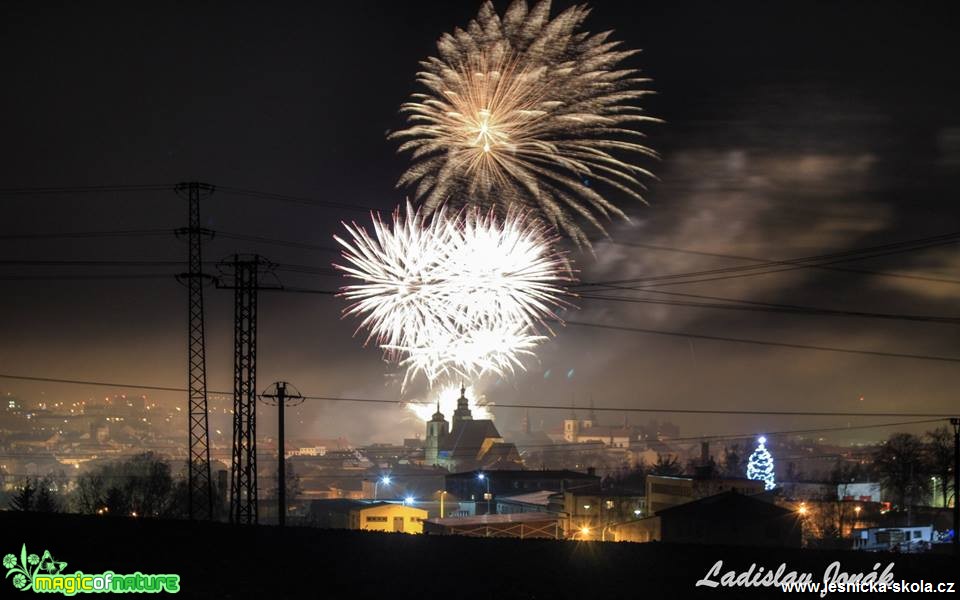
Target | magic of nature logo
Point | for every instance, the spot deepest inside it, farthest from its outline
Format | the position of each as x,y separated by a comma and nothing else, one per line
44,574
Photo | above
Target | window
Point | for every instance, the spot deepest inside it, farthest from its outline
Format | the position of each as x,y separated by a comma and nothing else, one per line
376,519
916,534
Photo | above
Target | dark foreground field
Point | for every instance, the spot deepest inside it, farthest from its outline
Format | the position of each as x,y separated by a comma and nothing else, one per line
220,561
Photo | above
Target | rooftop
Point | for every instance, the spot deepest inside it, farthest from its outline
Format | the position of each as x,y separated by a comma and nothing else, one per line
541,498
527,517
525,474
727,503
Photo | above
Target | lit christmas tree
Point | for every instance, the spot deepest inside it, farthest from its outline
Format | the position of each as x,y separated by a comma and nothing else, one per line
760,467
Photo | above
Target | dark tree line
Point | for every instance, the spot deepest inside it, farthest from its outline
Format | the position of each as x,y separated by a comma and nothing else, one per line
36,495
906,463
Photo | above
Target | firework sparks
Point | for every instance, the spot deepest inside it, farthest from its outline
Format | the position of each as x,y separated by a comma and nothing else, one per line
527,111
447,397
453,295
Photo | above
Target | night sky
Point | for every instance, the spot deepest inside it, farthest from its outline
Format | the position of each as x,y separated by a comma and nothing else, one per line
791,129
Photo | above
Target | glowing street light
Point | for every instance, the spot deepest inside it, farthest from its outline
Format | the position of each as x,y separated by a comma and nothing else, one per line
486,496
385,480
803,510
443,494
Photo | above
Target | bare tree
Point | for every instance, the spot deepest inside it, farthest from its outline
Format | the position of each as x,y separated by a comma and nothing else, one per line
667,465
940,456
89,496
25,497
46,501
902,468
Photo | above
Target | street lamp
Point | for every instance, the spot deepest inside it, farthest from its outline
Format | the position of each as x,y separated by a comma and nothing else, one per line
385,480
803,509
443,493
487,496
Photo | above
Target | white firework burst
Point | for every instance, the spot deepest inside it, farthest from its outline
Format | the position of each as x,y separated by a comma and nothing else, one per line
458,295
527,111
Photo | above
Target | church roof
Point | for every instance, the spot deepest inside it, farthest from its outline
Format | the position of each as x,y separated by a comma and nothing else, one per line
467,437
501,455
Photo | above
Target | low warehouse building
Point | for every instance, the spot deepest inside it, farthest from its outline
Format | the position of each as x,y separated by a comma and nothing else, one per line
366,515
518,525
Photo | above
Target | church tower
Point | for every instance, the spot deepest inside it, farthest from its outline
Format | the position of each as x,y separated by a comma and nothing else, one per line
591,419
463,409
571,426
436,434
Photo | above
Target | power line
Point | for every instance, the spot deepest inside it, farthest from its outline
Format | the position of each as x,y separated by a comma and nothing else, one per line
300,290
106,277
775,308
87,234
767,261
498,405
564,447
166,232
718,338
291,289
85,189
274,242
787,265
93,263
294,199
307,269
803,431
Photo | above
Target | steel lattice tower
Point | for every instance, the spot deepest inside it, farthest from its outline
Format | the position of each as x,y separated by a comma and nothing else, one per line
243,482
200,485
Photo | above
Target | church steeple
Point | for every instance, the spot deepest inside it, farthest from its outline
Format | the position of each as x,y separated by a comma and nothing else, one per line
591,419
463,407
437,432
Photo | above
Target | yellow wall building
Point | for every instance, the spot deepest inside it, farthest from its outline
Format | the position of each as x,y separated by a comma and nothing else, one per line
368,515
388,517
